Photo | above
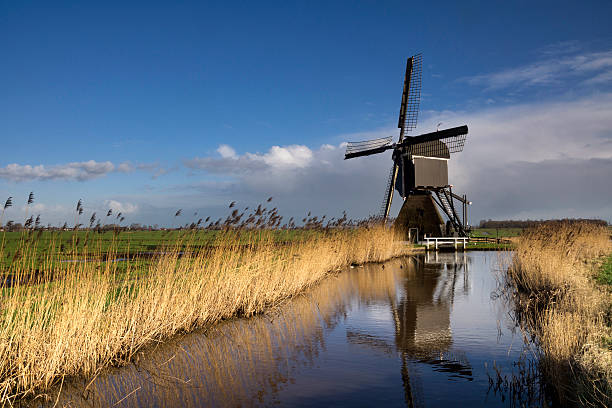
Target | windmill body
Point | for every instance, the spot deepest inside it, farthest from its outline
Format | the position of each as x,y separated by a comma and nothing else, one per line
420,167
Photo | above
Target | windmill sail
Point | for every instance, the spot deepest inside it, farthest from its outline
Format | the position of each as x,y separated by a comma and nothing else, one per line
411,96
368,147
409,114
438,144
388,192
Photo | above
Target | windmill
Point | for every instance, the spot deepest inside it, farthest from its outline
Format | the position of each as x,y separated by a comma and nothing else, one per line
420,166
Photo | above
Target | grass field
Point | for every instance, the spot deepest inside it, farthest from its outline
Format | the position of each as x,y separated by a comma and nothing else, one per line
496,232
489,246
73,245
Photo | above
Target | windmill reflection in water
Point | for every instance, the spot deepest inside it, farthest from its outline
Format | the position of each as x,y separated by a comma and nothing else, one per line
422,319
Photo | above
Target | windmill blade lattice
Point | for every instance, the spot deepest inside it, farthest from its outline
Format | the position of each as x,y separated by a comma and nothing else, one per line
441,148
388,191
411,96
359,147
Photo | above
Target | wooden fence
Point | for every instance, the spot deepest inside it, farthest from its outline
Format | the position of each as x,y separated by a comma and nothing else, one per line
489,240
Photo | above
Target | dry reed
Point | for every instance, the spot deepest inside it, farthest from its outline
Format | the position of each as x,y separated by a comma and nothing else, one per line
570,315
239,361
73,318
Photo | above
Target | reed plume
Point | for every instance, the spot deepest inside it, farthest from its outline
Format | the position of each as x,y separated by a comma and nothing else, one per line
28,203
8,203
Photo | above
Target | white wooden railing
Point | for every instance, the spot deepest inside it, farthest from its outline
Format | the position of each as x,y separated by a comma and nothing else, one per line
444,241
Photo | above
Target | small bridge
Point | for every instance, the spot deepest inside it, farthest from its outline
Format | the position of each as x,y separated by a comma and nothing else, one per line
436,243
446,242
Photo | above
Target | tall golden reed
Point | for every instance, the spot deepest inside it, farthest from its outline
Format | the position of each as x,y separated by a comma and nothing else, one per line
237,362
75,318
569,313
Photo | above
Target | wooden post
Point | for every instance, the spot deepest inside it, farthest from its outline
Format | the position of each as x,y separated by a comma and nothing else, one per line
465,223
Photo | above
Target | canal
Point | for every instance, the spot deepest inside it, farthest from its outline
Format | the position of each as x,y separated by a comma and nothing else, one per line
421,331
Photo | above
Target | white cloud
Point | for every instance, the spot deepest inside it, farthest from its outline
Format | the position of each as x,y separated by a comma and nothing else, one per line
300,178
226,152
295,156
79,171
74,171
535,132
541,159
277,157
121,207
562,47
600,78
35,208
588,68
125,167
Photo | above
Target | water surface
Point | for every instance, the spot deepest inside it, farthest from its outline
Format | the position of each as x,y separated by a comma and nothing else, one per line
419,331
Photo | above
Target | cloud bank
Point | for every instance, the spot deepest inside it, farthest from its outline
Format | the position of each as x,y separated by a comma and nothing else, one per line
79,171
537,160
74,171
533,160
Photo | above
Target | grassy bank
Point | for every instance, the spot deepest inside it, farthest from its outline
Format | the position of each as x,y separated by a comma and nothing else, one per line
565,305
74,318
489,246
604,276
496,232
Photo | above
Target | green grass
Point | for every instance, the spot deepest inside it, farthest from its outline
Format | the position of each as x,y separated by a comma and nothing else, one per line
605,272
63,245
489,245
497,232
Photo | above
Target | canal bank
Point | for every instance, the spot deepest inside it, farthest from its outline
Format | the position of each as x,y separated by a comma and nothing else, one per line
563,300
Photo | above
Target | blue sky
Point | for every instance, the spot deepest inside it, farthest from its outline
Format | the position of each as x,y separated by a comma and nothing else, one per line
127,105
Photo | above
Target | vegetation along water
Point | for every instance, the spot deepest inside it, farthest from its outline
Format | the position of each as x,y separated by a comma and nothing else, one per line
65,317
561,275
414,331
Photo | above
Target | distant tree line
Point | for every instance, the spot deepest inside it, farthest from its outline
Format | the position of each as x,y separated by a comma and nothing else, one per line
12,226
532,223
